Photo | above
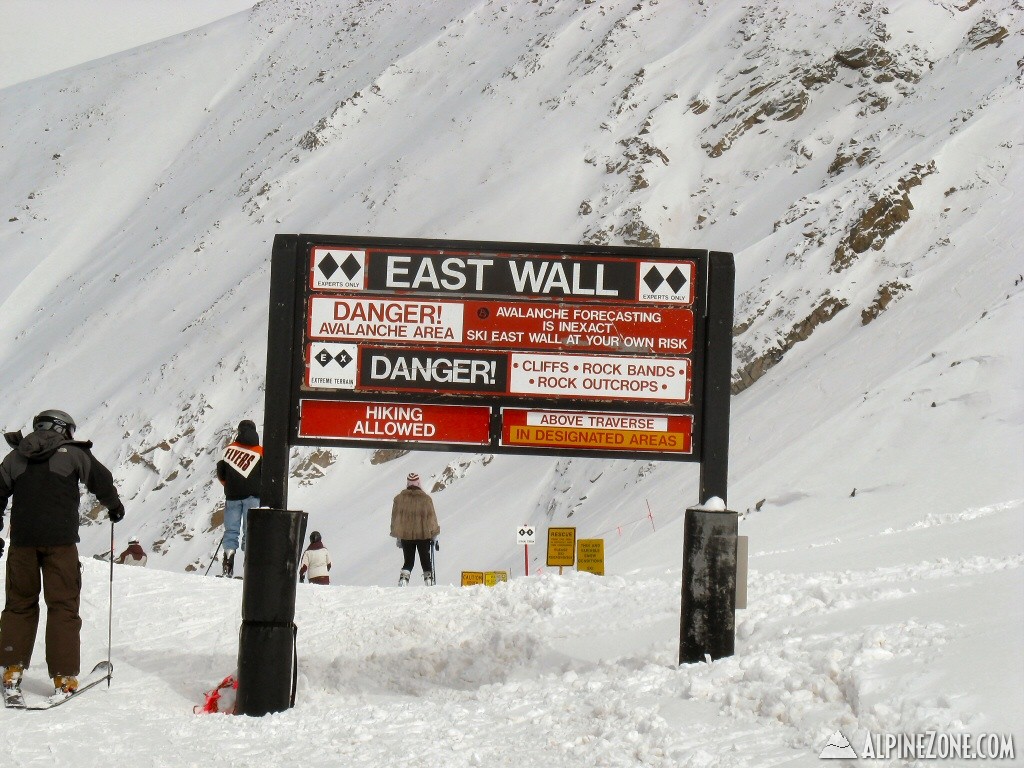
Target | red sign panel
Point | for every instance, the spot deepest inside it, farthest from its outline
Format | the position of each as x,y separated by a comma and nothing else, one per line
503,324
581,430
332,419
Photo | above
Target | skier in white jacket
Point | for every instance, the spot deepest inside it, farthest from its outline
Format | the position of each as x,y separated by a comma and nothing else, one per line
316,561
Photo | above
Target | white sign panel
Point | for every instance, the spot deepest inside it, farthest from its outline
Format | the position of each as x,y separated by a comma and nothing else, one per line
632,422
385,319
526,534
332,366
619,378
666,281
338,269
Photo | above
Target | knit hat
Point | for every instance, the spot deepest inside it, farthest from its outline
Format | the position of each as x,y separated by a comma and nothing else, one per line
413,480
247,434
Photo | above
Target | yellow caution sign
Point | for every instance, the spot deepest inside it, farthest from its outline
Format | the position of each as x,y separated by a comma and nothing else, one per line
493,577
487,578
561,547
590,556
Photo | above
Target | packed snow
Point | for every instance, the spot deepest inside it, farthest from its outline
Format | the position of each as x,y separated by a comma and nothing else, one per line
861,160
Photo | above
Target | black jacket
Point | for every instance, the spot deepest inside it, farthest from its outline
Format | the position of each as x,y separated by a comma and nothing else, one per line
42,473
240,470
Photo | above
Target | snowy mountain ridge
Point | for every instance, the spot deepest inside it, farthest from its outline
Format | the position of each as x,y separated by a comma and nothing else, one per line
861,160
817,161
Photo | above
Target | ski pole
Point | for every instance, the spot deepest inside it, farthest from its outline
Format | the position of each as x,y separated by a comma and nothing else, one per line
110,602
214,556
433,562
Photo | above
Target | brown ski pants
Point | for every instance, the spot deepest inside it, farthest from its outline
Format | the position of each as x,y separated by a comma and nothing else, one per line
57,572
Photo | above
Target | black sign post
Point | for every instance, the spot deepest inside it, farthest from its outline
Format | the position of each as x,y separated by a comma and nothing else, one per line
707,615
274,534
515,348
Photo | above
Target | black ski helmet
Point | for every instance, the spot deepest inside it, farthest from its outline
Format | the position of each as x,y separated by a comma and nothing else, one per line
58,421
314,537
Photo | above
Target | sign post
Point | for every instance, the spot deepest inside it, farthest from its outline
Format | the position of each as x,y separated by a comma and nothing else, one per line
707,618
526,535
512,348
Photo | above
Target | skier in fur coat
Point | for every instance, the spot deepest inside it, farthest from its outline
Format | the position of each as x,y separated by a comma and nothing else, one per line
414,525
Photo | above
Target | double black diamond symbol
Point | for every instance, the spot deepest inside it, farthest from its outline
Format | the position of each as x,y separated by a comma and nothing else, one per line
324,357
675,280
349,267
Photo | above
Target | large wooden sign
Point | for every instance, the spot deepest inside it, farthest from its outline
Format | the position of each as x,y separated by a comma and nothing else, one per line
511,347
530,348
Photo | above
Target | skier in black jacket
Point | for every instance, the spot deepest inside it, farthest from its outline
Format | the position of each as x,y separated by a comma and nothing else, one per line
240,471
42,474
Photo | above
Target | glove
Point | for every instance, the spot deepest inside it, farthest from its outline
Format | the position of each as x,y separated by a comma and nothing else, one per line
116,514
398,543
2,545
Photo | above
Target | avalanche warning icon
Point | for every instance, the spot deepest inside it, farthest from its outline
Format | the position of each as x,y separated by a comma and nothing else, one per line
838,747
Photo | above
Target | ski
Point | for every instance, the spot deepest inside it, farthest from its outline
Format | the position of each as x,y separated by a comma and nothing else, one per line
102,671
14,698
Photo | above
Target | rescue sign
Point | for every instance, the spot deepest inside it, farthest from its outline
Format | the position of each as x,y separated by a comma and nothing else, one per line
561,547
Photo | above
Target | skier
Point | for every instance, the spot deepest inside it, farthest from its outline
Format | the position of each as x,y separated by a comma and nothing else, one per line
414,526
239,471
134,555
316,560
42,474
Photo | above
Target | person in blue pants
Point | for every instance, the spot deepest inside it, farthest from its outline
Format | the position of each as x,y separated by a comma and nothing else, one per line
240,471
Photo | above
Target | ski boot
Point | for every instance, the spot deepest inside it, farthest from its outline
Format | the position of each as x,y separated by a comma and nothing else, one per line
229,564
403,578
428,578
65,683
12,686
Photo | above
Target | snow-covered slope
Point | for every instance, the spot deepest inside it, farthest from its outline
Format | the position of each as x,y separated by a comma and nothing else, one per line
863,162
38,38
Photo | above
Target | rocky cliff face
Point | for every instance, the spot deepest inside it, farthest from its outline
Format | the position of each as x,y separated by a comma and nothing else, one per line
837,149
